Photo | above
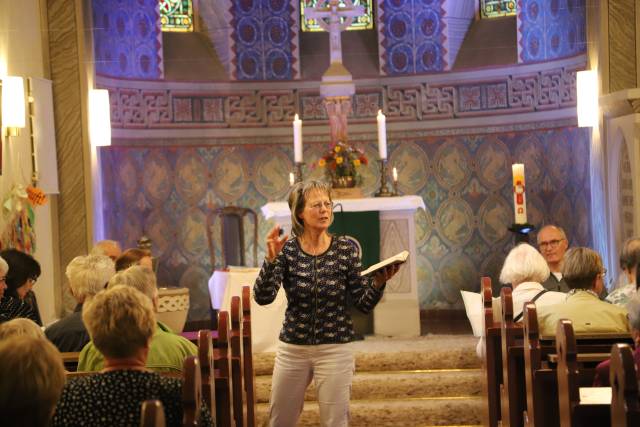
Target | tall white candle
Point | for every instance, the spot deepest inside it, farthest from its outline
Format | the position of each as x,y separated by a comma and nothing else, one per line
292,180
297,139
382,135
519,198
395,174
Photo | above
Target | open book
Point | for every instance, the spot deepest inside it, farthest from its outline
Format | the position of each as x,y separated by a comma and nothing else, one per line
396,259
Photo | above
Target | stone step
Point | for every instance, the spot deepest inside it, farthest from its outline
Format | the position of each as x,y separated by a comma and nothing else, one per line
398,384
406,412
390,354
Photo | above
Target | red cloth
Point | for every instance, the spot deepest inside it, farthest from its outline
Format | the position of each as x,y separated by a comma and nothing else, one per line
602,370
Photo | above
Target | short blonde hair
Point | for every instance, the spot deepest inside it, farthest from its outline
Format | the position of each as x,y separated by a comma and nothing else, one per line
580,267
89,274
138,277
32,380
298,199
20,326
524,264
4,267
101,247
119,320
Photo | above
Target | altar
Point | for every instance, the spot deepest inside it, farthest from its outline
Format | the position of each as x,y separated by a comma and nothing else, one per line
398,313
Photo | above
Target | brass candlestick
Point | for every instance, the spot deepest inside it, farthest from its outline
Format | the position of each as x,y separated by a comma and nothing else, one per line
298,172
384,190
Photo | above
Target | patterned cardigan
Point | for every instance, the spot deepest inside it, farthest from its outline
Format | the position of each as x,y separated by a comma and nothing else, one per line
317,289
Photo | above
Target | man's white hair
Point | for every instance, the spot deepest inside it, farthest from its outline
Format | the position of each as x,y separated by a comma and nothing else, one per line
524,264
100,247
89,274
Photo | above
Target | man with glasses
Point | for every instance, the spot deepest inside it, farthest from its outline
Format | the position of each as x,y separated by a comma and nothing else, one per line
552,243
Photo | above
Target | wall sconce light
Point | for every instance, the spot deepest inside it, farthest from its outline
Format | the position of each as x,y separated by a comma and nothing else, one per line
13,105
587,87
99,118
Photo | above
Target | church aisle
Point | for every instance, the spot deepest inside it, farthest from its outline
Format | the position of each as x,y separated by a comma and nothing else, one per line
432,380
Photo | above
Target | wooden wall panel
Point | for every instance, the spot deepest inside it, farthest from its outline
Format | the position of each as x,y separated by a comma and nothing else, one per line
622,45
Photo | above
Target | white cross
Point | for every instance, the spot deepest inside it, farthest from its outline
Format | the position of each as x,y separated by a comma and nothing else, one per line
332,13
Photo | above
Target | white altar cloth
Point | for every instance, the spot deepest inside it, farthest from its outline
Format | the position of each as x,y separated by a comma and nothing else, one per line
266,320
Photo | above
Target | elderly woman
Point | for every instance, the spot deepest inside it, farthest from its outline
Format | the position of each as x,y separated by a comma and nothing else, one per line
87,276
584,273
32,380
121,322
317,271
167,350
11,305
19,327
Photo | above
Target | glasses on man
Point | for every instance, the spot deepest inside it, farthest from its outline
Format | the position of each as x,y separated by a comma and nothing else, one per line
318,205
551,244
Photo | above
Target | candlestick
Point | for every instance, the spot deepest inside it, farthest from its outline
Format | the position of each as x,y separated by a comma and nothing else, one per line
298,171
382,135
383,191
297,139
519,198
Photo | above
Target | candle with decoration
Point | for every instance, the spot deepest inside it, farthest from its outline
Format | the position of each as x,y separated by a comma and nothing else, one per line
297,139
382,135
519,198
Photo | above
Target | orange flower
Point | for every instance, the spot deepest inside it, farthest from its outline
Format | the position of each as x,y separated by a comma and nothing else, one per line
322,162
339,160
337,148
356,162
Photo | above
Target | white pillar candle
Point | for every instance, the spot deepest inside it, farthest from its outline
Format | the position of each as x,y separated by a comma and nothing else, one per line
519,198
292,180
297,139
395,174
382,135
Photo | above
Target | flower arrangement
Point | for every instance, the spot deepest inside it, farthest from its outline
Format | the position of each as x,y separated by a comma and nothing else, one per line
342,163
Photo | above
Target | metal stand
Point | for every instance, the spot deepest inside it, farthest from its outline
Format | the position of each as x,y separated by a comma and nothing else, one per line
383,191
521,232
298,172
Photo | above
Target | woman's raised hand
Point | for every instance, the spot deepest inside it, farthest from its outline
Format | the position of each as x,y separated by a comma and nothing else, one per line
385,274
275,243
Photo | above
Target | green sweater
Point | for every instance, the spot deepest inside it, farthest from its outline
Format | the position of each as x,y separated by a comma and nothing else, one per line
166,353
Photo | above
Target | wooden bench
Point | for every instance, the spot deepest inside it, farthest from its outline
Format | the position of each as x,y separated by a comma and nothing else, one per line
70,360
205,354
625,399
492,364
152,414
222,364
247,360
191,392
237,370
513,389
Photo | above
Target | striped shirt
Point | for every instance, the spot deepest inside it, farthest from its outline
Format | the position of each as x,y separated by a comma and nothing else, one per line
317,288
11,308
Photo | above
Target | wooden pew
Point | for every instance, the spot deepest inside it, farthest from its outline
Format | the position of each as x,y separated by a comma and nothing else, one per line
513,389
70,360
235,340
247,357
573,412
625,398
205,354
152,414
541,383
222,364
492,364
191,392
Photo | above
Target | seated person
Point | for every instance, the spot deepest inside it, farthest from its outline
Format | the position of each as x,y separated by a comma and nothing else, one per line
602,370
121,323
525,269
167,350
134,256
32,379
629,259
19,273
18,327
584,274
87,276
109,248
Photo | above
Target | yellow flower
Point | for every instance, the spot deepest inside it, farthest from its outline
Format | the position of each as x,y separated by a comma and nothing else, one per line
356,162
337,148
321,163
339,160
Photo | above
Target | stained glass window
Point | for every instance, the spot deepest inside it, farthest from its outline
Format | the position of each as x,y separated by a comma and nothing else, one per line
497,8
364,22
176,15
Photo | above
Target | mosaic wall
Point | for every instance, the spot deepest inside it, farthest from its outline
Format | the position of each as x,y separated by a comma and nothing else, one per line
411,36
550,29
264,39
465,181
127,39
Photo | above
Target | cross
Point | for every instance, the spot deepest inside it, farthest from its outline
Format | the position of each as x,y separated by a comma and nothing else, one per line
332,13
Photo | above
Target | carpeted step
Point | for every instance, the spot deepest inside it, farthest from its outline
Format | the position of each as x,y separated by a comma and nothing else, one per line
398,384
392,354
408,412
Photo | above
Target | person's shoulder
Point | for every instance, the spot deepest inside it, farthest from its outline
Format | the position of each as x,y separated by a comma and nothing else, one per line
167,338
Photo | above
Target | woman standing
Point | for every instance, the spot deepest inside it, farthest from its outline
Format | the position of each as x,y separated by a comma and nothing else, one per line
317,271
